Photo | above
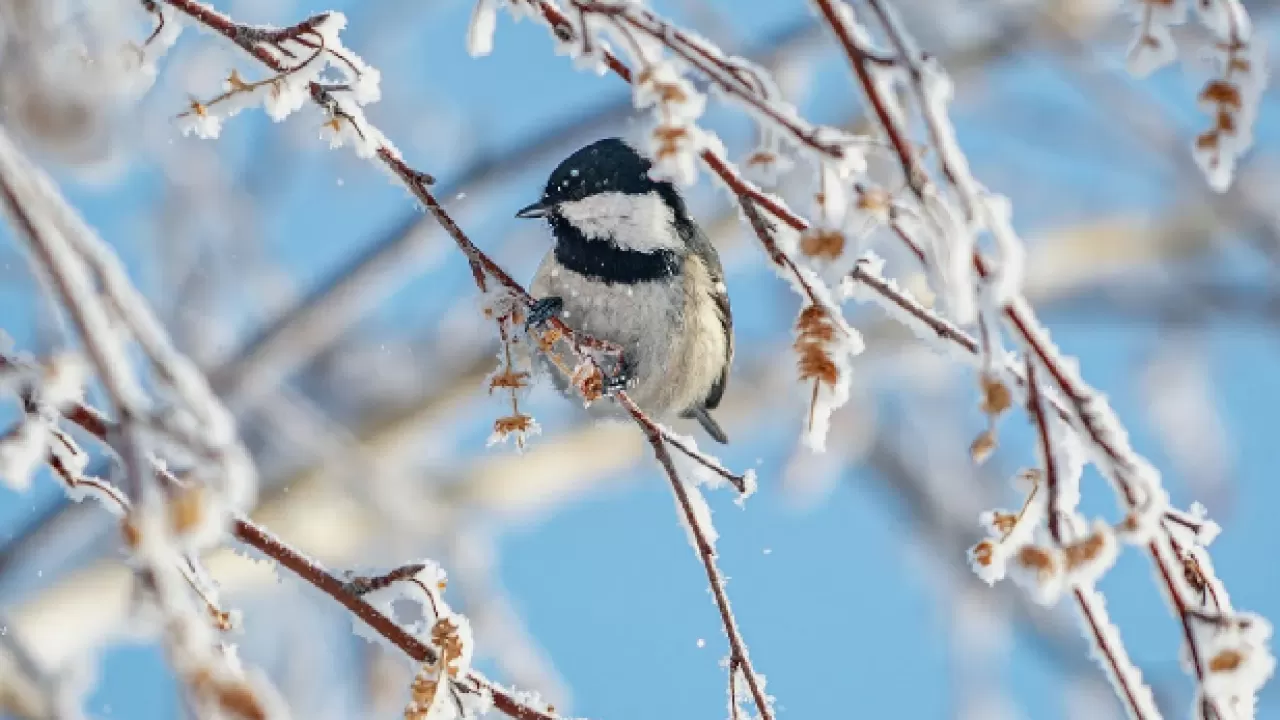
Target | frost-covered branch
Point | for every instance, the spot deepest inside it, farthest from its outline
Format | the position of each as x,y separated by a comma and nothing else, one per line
1231,97
696,516
1063,524
341,102
1137,482
162,528
941,224
346,593
677,140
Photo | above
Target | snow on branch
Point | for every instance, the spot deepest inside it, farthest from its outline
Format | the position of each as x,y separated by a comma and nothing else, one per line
342,100
163,526
443,647
664,54
1239,74
941,221
1138,485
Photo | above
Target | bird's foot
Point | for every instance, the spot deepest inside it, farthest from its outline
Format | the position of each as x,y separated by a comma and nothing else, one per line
542,310
619,379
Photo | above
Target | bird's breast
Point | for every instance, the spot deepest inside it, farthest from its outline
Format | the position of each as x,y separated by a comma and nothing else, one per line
670,333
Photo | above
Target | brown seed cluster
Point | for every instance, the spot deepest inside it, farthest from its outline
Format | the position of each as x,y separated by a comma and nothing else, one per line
445,636
822,244
764,159
1225,100
983,446
815,330
422,693
508,379
1038,560
670,138
874,201
513,424
1003,522
188,507
234,697
984,553
1228,660
667,92
1085,550
426,683
996,400
996,397
512,381
589,381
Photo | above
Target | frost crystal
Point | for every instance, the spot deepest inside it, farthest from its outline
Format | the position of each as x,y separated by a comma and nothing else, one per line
1232,97
484,21
22,451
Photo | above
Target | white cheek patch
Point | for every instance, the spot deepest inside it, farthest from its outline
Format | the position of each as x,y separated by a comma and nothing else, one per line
635,222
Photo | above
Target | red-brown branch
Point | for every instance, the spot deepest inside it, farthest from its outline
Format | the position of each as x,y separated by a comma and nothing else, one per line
1091,613
732,78
417,184
912,172
261,539
564,30
707,553
1119,464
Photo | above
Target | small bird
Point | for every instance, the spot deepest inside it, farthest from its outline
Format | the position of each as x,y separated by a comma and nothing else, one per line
631,267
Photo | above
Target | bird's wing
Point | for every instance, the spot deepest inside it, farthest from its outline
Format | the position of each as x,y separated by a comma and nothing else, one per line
701,245
726,321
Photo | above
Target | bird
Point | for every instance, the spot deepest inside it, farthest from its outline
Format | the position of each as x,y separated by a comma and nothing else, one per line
630,266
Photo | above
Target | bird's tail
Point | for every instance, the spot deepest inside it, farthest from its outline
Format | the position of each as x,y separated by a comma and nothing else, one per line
709,424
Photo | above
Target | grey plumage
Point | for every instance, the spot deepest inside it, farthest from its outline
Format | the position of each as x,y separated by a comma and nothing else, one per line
631,267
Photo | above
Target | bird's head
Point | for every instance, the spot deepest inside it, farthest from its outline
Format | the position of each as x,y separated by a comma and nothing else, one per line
604,192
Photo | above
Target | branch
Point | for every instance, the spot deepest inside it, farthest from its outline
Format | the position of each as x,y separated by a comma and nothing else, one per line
1114,658
258,42
702,542
311,572
1136,480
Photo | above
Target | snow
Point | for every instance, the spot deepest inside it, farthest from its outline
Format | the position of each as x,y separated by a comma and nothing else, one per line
1218,150
169,27
22,451
1006,280
65,377
902,307
690,470
1238,661
353,84
701,512
1218,160
1223,17
1150,52
1108,650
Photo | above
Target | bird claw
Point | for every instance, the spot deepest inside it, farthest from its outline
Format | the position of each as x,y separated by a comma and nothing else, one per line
618,380
542,310
357,586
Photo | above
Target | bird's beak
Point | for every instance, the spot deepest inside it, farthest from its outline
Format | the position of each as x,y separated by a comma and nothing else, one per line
536,210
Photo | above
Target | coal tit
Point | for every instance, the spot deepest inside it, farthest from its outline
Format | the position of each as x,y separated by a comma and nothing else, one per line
630,266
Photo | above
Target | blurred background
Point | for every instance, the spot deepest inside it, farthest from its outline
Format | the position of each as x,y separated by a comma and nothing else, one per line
342,328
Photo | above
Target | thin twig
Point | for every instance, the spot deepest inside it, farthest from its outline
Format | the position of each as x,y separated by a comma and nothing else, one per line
707,553
69,279
739,482
1120,464
310,571
1088,600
